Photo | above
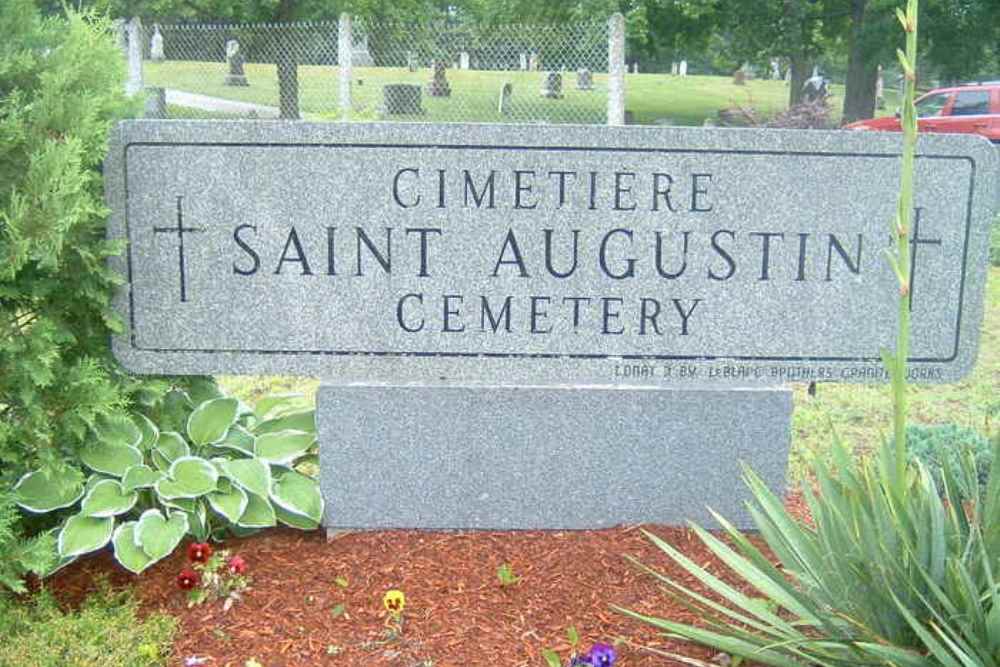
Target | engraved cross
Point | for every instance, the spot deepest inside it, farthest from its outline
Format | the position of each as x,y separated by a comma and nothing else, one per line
915,243
180,230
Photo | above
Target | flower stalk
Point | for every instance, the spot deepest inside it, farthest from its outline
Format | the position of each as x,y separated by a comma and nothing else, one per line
900,260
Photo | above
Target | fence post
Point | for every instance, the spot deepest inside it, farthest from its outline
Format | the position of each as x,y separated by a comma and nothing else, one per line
134,82
345,40
616,70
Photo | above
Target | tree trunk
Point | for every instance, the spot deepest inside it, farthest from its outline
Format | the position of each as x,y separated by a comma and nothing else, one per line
288,84
859,99
798,57
288,69
800,73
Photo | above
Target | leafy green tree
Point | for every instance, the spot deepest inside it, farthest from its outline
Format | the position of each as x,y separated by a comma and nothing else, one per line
60,92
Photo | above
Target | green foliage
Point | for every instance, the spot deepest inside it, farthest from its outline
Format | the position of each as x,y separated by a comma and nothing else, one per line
944,446
877,573
60,91
226,469
20,555
105,630
506,576
892,573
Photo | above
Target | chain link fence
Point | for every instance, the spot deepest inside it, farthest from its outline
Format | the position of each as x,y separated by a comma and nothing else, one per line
374,70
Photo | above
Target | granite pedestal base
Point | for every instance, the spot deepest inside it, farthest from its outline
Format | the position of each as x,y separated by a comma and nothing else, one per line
473,457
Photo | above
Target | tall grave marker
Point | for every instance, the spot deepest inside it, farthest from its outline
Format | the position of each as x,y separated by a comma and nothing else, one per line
541,326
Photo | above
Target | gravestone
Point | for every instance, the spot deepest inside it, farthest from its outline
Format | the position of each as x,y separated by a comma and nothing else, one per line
156,45
739,78
584,79
683,68
674,68
541,326
438,85
534,62
360,55
775,69
506,93
815,88
236,76
551,85
880,88
635,68
411,61
401,99
523,57
463,60
155,104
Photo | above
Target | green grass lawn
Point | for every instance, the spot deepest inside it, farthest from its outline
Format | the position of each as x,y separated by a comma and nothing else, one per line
861,414
651,97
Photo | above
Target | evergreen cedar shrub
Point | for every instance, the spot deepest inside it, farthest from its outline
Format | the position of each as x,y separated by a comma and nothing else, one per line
944,445
61,91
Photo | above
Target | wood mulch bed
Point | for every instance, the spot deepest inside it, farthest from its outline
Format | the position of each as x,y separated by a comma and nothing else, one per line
457,614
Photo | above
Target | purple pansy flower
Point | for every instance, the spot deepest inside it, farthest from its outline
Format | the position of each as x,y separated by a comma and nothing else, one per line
602,655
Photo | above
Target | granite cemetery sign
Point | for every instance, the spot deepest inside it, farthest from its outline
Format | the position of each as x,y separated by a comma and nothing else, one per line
464,256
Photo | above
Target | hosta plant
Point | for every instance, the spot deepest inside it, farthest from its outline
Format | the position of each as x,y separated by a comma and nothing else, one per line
231,469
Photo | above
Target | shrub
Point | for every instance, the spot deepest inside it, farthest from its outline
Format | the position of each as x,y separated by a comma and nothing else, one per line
106,630
20,555
945,445
61,90
226,469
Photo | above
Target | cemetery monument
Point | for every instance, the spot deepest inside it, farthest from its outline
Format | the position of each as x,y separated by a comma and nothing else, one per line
236,76
541,326
156,45
552,85
438,85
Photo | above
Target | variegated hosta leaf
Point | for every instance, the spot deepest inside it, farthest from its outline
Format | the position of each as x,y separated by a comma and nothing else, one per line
188,477
107,498
157,535
295,493
38,492
83,534
210,420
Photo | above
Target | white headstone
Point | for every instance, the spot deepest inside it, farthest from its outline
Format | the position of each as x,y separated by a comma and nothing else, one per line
880,89
506,92
524,61
674,68
635,68
682,69
533,62
156,44
775,69
463,60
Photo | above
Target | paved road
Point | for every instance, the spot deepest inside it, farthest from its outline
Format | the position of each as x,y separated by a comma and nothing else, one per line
218,104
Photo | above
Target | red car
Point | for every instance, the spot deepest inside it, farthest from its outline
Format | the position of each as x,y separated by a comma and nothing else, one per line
972,109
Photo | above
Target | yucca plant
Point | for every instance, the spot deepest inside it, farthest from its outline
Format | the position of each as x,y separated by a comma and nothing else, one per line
892,572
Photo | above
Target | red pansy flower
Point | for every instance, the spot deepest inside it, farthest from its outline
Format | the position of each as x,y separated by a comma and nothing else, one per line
236,565
199,552
188,579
